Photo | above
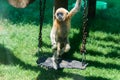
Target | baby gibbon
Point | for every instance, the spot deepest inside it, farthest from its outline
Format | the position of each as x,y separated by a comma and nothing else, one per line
60,31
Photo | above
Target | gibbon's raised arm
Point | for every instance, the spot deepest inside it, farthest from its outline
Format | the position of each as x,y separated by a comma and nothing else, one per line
75,9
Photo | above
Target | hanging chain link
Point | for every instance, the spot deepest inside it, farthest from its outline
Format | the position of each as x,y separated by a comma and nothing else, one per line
85,24
42,12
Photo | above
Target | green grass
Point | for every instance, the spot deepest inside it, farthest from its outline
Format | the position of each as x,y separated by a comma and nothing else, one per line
19,29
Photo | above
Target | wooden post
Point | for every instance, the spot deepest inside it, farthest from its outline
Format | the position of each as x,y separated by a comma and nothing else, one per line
58,4
91,8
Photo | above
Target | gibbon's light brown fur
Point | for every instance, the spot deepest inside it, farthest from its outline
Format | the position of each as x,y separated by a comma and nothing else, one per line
60,31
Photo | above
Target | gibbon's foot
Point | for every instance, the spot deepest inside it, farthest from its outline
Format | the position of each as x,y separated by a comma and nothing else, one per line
55,63
67,48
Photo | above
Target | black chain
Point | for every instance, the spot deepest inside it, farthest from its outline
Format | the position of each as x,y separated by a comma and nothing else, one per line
84,37
42,12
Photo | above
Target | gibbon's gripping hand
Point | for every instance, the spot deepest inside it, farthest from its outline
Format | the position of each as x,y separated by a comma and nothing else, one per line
75,9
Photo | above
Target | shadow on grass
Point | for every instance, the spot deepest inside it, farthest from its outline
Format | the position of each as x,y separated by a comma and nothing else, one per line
109,38
56,75
95,78
75,43
5,56
113,54
8,58
102,65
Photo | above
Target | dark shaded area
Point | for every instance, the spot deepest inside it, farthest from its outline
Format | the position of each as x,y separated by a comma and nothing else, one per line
102,65
8,58
55,75
113,54
5,56
96,78
107,39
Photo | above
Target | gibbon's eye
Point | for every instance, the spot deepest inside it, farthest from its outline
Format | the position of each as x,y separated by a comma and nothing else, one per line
60,14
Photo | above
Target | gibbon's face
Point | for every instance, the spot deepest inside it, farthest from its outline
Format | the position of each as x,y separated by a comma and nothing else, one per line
61,14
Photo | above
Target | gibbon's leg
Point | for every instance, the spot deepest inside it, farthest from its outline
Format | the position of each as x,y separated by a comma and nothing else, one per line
54,60
67,45
52,37
56,56
54,48
58,49
65,48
